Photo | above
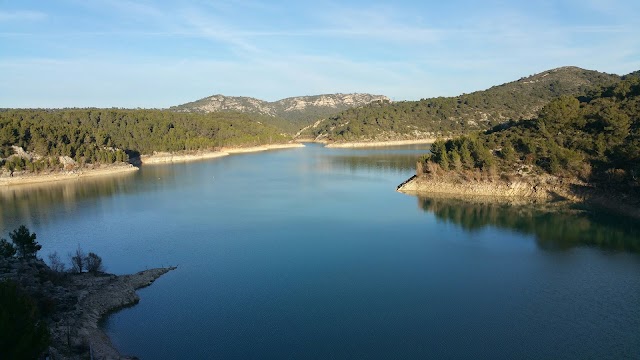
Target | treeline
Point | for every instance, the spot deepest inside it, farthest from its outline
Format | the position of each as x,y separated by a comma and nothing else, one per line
450,116
595,139
111,135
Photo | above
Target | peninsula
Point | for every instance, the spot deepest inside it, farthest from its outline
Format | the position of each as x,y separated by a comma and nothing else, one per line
583,149
75,303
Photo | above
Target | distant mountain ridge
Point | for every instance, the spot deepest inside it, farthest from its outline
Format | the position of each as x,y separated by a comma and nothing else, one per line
298,111
446,116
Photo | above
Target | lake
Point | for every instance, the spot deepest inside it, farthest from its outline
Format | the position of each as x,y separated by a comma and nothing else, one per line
311,253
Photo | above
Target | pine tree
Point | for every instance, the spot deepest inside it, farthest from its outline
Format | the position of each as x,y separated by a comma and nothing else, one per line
25,242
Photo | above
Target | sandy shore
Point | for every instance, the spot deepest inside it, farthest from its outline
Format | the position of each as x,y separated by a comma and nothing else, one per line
165,158
66,175
379,143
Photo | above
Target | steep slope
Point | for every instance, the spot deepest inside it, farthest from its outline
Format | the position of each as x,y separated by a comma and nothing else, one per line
581,148
290,114
441,116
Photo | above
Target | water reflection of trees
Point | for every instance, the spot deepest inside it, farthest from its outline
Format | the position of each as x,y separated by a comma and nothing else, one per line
554,227
381,162
24,202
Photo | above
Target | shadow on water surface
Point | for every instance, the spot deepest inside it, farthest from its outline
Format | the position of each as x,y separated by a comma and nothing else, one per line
555,227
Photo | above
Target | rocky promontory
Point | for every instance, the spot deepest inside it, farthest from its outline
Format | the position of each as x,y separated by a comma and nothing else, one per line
538,188
73,304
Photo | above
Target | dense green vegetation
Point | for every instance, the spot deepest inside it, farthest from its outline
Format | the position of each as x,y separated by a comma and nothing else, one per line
595,139
23,244
23,332
448,116
112,135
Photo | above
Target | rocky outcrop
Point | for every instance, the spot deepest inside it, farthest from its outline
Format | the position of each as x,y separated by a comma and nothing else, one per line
524,189
219,102
75,303
281,108
541,187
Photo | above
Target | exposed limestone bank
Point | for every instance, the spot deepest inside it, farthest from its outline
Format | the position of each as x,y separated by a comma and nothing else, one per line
540,188
380,143
78,303
19,179
534,188
164,158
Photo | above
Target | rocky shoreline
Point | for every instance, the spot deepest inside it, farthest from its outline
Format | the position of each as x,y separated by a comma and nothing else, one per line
156,158
66,175
77,302
165,157
540,188
524,189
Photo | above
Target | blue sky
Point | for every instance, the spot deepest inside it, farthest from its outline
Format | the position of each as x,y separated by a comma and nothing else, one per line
125,53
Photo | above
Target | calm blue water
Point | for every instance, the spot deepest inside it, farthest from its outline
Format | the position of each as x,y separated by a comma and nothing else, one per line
310,253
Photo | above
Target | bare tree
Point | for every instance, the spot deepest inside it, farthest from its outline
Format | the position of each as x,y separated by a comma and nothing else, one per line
55,263
78,260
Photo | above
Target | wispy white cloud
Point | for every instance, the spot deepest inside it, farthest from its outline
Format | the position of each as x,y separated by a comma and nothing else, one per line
21,15
335,48
213,28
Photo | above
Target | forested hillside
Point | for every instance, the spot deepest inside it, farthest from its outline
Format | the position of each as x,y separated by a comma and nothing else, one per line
290,114
447,116
111,135
595,139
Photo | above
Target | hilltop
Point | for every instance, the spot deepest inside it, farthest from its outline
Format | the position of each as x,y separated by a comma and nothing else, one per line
448,116
584,148
290,114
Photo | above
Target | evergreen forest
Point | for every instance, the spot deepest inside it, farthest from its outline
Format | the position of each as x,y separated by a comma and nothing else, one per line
594,139
451,116
105,136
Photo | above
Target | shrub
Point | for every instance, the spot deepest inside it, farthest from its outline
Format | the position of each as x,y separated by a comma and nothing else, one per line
55,263
93,263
